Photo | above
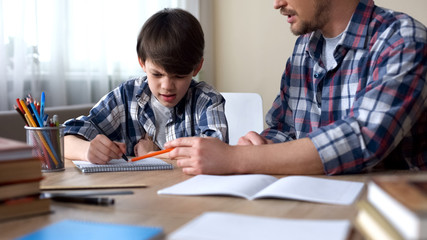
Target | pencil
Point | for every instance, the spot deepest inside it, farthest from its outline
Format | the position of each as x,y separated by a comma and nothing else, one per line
102,132
32,123
151,154
19,105
20,114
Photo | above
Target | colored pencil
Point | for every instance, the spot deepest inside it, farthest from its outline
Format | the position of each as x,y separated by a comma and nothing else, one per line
151,154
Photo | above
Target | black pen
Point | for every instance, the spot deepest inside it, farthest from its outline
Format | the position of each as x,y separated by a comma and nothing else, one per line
102,132
102,201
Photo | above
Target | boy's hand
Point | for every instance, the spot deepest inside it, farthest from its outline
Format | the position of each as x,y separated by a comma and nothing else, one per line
144,146
102,149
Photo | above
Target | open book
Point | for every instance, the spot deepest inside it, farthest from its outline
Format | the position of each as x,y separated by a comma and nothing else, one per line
120,165
254,186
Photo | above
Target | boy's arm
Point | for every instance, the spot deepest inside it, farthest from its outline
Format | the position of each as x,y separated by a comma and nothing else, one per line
75,147
99,151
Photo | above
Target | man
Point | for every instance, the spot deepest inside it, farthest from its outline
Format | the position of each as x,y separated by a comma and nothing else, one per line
353,98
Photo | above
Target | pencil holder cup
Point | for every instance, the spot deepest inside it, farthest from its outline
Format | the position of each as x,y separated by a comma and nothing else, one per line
48,146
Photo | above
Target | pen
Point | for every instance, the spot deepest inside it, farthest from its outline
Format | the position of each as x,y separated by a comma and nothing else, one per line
84,193
45,118
151,154
102,132
37,117
102,201
42,102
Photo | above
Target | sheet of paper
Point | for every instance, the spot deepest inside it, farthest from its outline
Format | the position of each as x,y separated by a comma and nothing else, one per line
224,226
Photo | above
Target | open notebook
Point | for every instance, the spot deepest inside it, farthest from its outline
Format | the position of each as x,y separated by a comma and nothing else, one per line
120,165
255,186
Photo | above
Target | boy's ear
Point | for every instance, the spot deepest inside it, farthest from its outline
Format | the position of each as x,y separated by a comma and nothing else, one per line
141,63
197,70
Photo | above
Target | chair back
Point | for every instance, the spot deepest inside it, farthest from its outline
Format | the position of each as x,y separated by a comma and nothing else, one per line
244,113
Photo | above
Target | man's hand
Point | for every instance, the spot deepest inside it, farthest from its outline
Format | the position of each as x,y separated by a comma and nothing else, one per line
253,138
196,155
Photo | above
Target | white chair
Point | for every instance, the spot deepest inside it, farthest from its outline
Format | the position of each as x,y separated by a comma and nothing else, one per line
244,113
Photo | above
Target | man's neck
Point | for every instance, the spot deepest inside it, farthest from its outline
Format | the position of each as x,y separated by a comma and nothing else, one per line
339,16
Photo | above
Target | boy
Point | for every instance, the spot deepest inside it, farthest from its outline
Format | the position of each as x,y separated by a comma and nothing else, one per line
142,114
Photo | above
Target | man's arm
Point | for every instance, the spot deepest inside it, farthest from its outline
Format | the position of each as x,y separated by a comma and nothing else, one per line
212,121
211,156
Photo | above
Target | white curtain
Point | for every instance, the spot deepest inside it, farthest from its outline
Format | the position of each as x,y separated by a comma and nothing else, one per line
73,50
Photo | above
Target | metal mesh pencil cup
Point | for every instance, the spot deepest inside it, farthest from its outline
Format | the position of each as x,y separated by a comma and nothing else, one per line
48,146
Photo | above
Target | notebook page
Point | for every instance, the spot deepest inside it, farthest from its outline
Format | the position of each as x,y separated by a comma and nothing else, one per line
234,185
313,189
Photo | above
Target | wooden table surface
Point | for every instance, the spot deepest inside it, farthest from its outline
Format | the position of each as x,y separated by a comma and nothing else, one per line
146,208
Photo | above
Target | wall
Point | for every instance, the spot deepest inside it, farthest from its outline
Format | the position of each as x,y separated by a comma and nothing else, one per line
252,42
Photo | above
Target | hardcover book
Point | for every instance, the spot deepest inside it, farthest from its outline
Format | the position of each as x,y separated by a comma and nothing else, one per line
72,230
23,207
11,149
372,224
403,202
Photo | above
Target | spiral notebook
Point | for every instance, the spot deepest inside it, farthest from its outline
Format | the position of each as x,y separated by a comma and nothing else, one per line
120,165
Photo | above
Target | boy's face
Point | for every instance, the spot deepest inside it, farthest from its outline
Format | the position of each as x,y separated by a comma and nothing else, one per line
169,89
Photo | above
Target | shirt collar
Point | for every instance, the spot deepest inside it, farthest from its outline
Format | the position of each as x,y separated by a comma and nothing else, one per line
354,36
143,96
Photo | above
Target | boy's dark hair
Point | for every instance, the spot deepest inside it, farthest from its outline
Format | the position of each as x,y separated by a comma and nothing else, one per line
172,39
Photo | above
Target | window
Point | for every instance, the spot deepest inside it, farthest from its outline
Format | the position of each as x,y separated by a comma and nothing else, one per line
76,51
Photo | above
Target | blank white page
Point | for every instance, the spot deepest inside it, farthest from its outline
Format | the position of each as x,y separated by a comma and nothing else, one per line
313,189
235,185
224,226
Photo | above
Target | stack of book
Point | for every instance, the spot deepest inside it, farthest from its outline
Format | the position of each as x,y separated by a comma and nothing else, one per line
395,208
20,176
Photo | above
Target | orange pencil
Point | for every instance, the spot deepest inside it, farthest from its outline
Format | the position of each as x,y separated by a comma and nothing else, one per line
151,154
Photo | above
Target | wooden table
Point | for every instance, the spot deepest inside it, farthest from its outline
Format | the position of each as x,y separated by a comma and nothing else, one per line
147,208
